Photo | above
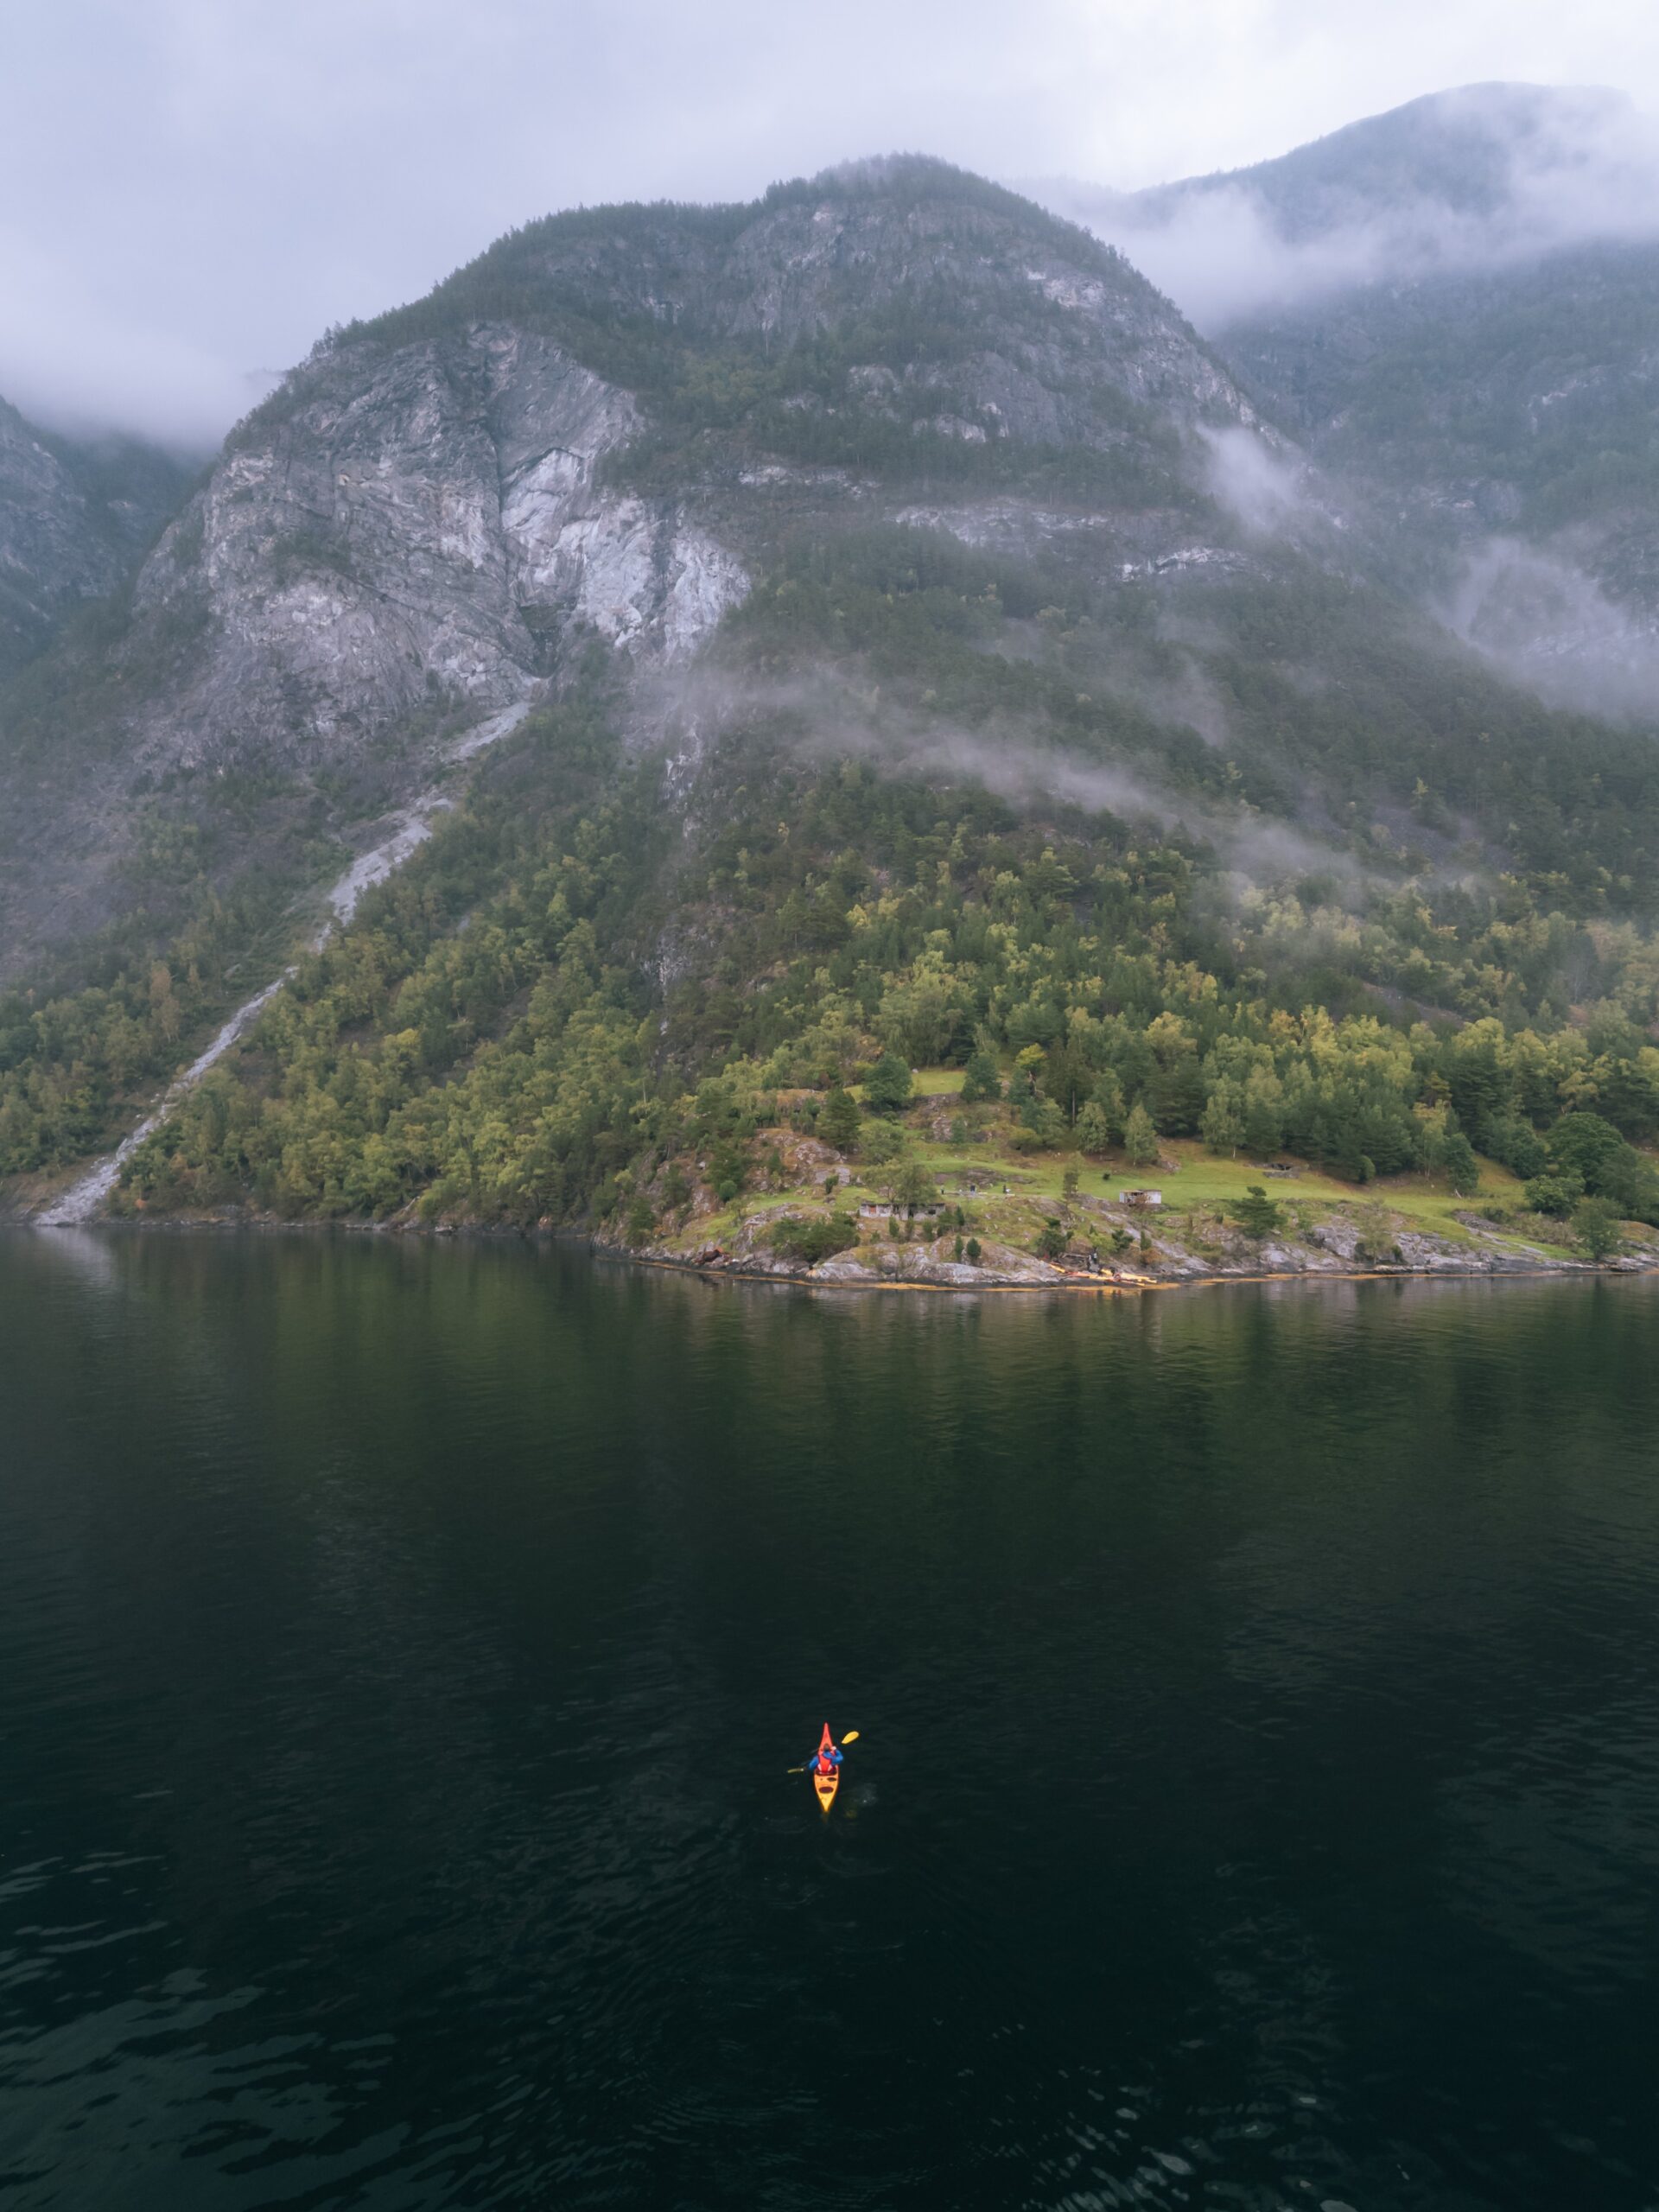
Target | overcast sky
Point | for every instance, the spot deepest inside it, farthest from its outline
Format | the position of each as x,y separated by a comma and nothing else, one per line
193,190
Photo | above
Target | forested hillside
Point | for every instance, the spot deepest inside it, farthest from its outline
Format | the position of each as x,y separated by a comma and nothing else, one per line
568,999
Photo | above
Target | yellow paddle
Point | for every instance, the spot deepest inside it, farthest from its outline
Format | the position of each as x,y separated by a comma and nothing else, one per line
851,1737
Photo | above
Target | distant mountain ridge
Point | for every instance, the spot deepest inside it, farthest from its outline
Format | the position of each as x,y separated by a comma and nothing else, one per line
1454,308
75,515
1466,151
1471,178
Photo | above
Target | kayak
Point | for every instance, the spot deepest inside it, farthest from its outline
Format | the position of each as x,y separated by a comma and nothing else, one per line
825,1784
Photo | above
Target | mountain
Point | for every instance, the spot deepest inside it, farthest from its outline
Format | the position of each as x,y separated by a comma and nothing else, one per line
1454,308
437,499
872,616
596,430
75,517
1470,179
1506,420
1478,154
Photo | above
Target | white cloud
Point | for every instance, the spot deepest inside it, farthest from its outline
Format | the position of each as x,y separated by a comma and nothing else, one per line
1256,486
212,184
1220,250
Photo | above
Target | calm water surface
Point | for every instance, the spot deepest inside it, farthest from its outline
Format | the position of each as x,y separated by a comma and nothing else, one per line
402,1648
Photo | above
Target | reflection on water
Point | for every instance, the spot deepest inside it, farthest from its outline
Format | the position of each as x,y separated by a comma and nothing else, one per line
402,1647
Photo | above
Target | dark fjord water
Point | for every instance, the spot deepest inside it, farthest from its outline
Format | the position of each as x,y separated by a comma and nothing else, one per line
401,1649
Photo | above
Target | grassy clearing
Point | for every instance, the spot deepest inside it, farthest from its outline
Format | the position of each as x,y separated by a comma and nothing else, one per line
1006,1197
1199,1179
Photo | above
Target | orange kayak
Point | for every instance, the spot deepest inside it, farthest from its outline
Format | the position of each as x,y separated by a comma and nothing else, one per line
826,1780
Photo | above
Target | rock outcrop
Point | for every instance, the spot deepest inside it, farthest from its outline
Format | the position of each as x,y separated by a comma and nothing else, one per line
427,526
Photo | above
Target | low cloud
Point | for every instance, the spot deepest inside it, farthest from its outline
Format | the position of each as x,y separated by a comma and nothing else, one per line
1560,169
1260,488
827,719
60,341
1545,622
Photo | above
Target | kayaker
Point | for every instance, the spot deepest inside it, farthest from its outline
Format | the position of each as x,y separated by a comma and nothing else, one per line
826,1757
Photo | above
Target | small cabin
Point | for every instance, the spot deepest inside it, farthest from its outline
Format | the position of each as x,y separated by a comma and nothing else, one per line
1142,1201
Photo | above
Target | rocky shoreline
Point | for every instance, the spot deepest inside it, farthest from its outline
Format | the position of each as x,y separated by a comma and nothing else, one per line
1017,1271
918,1269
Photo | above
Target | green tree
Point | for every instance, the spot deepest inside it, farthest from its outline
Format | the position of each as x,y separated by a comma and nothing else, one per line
1595,1225
813,1239
838,1119
1518,1145
1140,1137
971,1250
981,1078
1459,1164
888,1085
1093,1132
1264,1112
1050,1239
912,1187
1041,1124
882,1143
1107,1097
1584,1145
1555,1195
1255,1212
1222,1124
1377,1242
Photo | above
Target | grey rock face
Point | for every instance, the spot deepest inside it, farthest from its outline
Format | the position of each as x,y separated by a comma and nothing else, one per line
424,526
73,520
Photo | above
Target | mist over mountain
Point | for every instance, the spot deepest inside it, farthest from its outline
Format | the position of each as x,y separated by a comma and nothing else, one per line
1454,308
1475,179
75,515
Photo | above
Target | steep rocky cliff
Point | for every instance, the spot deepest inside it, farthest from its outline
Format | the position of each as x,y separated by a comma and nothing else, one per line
420,523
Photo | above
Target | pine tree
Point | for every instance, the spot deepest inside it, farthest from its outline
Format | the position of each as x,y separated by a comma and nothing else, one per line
838,1119
1256,1213
1093,1134
1222,1125
1140,1137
